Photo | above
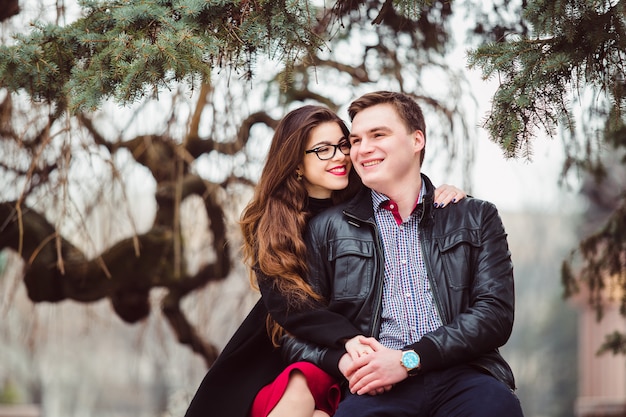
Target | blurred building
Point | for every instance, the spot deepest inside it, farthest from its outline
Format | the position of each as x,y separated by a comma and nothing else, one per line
602,382
20,410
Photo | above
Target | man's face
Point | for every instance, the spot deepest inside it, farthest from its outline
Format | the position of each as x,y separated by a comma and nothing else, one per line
384,153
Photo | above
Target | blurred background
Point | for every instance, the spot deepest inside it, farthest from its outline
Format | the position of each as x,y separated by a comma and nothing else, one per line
120,272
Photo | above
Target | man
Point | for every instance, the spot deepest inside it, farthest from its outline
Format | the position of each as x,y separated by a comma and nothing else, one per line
434,288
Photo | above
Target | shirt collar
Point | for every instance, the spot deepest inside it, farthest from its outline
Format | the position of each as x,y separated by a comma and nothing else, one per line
381,201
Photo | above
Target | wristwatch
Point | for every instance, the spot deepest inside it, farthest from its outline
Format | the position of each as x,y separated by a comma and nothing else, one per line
411,362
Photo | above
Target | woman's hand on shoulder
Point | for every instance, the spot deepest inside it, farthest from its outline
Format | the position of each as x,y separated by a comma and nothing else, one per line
446,194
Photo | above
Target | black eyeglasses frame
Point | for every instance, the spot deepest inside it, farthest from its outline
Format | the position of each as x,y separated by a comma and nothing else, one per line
337,146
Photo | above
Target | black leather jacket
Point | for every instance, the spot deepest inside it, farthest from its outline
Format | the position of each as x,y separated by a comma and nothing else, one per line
470,273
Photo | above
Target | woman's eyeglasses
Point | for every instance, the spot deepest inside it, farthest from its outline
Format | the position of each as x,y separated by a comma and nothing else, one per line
326,152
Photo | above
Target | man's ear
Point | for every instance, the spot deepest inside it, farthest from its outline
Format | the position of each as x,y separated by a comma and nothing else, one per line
418,140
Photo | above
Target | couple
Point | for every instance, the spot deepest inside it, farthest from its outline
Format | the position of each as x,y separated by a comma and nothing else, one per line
381,301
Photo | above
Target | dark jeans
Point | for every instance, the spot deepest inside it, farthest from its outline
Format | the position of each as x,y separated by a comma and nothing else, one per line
461,391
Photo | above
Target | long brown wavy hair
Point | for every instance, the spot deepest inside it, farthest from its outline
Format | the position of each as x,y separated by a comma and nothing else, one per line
274,220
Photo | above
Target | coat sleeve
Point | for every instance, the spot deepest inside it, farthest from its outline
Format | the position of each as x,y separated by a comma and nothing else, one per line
296,350
313,322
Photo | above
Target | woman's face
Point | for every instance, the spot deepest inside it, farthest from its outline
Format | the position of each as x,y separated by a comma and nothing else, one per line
322,177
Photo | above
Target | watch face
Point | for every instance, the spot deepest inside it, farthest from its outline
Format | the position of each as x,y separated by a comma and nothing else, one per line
410,359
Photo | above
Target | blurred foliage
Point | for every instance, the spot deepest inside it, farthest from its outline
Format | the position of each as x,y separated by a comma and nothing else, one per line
9,394
130,49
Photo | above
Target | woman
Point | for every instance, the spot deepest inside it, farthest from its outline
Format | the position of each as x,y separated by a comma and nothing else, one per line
308,169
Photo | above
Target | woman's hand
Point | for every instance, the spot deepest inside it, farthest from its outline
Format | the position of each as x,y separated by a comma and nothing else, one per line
445,194
356,349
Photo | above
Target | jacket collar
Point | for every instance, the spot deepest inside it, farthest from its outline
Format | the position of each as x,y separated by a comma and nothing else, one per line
361,206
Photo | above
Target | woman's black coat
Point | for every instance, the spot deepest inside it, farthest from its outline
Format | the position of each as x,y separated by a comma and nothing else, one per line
248,362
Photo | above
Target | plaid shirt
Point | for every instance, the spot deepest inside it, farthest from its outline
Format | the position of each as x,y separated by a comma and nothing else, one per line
409,310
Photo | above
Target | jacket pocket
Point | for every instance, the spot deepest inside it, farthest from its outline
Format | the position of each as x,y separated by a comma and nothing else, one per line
353,262
457,253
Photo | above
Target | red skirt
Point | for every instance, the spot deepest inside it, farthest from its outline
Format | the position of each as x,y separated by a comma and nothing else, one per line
324,388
